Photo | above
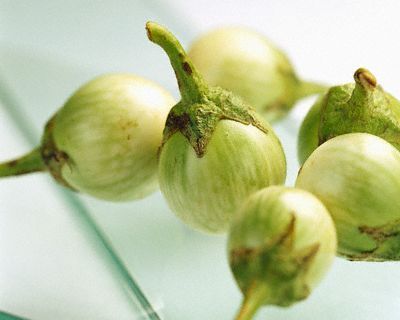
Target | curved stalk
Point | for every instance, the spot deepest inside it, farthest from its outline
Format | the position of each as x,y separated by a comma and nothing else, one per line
365,86
29,163
190,82
252,301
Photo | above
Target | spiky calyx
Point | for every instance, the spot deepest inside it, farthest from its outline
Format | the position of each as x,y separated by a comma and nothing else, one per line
202,107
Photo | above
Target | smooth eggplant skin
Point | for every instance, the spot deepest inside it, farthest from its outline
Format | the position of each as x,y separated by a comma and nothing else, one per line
206,191
111,129
356,176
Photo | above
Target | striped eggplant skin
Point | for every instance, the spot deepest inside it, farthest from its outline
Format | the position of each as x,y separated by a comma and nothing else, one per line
110,130
356,176
206,191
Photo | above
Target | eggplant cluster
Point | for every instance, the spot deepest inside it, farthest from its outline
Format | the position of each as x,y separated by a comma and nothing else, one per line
221,168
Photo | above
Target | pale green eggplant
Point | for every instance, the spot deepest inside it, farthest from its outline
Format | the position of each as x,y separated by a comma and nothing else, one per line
104,140
216,150
356,176
281,244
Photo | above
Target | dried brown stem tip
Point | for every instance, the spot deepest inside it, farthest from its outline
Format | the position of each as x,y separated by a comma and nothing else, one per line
365,78
148,24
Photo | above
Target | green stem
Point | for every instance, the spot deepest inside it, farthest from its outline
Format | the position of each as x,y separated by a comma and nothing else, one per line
252,301
190,82
365,86
31,162
308,88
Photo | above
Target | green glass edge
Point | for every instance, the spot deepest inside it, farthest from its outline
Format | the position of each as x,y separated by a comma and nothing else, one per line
9,316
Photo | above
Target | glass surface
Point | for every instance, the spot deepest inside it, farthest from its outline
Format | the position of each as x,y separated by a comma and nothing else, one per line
54,264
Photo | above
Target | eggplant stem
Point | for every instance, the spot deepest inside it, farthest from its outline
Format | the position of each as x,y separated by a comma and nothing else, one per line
365,85
29,163
191,84
253,300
